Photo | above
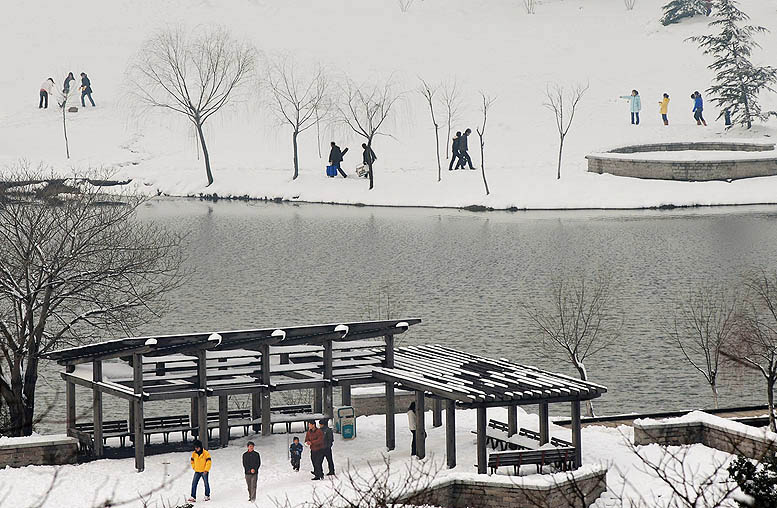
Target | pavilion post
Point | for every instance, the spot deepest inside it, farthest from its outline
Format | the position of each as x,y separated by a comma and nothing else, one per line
266,425
193,416
436,412
512,420
544,423
223,421
256,409
391,437
576,434
131,415
318,400
346,395
137,423
97,407
481,441
202,398
328,367
450,433
70,402
420,425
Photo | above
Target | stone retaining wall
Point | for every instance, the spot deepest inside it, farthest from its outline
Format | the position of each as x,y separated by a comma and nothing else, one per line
578,490
366,404
50,450
696,145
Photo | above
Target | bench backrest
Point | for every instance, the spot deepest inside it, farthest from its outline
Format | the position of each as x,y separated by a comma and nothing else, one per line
496,424
108,426
530,456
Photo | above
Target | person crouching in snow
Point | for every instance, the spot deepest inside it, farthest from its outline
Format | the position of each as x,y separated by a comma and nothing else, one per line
46,89
635,106
201,464
665,109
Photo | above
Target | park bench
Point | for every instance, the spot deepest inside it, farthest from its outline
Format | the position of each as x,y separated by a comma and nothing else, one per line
84,432
562,458
165,425
503,427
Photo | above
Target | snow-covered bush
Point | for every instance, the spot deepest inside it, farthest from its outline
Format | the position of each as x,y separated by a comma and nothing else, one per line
756,480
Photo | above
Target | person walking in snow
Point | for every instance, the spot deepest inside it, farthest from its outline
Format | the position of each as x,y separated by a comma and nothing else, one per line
251,463
336,157
411,424
329,440
635,105
201,465
368,159
86,89
66,84
314,438
463,150
295,452
698,108
46,89
455,151
665,109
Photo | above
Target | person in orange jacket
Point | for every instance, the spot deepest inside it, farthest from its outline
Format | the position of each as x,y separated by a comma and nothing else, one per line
201,464
314,438
665,109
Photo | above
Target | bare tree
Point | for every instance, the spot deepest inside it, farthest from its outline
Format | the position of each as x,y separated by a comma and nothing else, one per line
629,4
194,74
563,104
72,270
451,103
703,328
299,101
576,321
530,6
429,92
62,103
365,111
488,101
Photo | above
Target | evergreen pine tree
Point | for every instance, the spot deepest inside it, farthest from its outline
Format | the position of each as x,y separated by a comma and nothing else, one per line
738,82
676,10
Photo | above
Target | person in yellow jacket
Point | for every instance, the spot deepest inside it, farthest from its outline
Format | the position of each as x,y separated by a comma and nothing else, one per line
201,464
665,109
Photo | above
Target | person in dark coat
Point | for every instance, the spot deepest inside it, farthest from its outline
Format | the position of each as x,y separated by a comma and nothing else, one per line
336,157
66,85
314,438
368,155
329,440
455,151
86,89
463,150
251,463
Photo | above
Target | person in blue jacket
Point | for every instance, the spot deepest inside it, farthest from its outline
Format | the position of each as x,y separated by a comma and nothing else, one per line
698,108
635,106
295,450
86,89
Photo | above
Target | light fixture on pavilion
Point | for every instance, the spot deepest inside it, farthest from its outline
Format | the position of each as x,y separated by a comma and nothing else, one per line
279,334
342,328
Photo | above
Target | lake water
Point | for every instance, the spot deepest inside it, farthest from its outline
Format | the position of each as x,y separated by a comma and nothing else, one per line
465,274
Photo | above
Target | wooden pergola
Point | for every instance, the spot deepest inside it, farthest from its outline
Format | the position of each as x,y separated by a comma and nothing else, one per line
469,381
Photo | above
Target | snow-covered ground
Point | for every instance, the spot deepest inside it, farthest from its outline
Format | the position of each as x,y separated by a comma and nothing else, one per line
490,45
80,485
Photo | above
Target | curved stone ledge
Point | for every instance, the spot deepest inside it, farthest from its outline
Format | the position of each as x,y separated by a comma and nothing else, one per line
696,145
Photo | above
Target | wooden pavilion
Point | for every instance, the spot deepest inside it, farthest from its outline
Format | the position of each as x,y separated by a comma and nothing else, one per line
319,357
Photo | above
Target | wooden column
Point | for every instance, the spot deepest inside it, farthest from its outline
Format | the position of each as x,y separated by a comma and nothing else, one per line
436,412
266,425
420,425
481,442
223,421
391,437
256,409
450,433
131,419
576,433
193,412
137,423
328,362
544,423
70,402
318,400
512,420
202,399
97,407
346,395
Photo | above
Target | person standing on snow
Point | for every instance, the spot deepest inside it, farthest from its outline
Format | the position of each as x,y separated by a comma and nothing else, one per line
314,438
86,89
665,109
201,464
698,108
463,150
251,463
329,440
66,85
336,157
411,424
455,151
46,89
635,105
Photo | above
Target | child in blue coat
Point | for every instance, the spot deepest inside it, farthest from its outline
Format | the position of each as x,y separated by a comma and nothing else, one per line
635,106
295,450
698,108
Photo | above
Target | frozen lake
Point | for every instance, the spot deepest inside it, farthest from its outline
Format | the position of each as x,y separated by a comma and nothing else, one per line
464,274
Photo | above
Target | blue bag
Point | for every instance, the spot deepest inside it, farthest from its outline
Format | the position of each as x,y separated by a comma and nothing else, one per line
331,171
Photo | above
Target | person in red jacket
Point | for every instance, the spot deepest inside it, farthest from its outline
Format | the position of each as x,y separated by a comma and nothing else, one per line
314,438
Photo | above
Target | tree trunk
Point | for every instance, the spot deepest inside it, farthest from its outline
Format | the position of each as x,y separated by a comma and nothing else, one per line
589,406
483,165
437,139
746,104
714,393
296,159
198,126
64,127
448,153
770,399
369,166
560,149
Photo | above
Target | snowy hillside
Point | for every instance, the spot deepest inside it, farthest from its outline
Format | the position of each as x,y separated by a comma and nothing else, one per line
490,45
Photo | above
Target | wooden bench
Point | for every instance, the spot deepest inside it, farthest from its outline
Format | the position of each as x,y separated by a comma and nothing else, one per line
290,418
503,427
562,458
165,425
111,428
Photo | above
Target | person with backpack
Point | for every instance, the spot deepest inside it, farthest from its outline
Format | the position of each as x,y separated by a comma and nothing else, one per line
66,84
335,158
314,438
635,105
664,104
251,463
698,108
455,151
46,89
201,463
329,440
86,89
463,150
